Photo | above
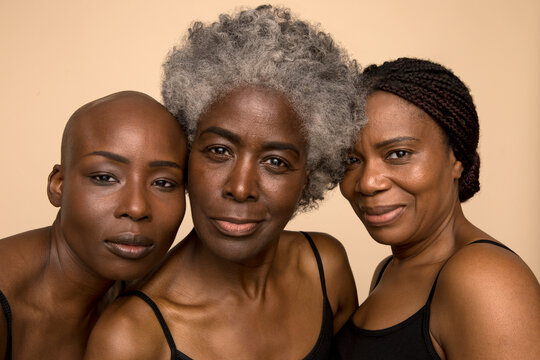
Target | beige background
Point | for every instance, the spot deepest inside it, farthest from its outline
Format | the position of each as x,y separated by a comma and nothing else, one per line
57,55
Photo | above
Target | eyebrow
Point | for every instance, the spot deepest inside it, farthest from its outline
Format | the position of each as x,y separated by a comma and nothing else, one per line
222,132
277,145
270,145
395,140
111,156
164,163
124,160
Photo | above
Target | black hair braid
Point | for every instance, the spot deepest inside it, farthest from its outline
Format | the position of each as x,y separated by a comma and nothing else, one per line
445,98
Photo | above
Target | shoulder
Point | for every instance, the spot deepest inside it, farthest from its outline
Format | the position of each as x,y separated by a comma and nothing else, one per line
490,294
339,280
128,329
22,257
3,330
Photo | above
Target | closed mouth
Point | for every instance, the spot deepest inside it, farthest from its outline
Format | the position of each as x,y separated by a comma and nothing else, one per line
130,246
236,227
382,215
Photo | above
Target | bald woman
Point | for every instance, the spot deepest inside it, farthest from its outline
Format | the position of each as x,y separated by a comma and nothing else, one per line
120,190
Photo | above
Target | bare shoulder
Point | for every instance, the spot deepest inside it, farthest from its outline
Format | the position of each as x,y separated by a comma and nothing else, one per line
3,332
21,256
487,302
340,285
128,329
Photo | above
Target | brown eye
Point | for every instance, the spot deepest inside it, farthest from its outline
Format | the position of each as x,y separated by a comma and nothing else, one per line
398,154
103,179
164,184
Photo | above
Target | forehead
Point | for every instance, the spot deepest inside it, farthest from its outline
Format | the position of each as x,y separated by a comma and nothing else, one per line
253,112
124,125
390,115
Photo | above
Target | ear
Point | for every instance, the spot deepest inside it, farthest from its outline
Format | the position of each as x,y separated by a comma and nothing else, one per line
55,185
457,166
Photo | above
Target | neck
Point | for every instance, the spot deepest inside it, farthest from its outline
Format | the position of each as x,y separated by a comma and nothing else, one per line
437,246
75,287
245,277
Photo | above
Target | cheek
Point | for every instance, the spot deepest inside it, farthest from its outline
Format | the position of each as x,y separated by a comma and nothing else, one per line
347,185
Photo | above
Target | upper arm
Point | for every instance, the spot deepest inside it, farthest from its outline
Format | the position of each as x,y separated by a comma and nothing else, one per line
126,331
340,285
3,335
487,305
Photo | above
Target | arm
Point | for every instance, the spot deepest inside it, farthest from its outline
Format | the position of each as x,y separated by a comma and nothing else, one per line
340,285
3,336
127,330
487,305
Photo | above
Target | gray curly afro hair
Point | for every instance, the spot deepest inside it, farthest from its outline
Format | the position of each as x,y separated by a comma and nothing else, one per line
268,47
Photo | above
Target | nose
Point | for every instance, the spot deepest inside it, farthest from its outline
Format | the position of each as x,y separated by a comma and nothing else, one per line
242,181
371,179
133,202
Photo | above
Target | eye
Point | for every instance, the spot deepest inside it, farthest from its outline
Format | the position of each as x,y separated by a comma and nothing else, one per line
398,154
219,150
104,179
351,161
164,184
276,164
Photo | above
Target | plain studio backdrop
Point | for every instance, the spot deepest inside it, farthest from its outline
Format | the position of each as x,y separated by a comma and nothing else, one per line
57,55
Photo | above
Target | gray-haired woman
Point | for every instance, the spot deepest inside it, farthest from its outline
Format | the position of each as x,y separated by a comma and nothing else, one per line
270,106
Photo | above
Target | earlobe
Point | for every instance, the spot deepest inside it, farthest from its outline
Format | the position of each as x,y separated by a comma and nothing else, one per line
55,185
457,168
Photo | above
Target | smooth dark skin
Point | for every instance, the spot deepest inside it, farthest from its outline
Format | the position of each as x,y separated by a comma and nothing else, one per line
487,301
120,180
237,291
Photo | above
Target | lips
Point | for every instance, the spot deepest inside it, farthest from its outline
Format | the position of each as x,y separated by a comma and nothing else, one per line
236,227
130,246
382,215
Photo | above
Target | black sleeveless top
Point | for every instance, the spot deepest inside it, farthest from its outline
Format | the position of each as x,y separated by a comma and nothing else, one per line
409,339
321,350
7,313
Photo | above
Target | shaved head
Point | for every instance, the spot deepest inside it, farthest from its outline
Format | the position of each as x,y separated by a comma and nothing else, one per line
107,108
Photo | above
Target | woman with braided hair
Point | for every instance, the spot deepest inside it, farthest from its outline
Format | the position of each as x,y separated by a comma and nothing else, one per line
270,106
449,290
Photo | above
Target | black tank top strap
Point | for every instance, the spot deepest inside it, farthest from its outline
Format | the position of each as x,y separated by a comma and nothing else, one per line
485,241
7,313
158,314
319,262
382,271
481,241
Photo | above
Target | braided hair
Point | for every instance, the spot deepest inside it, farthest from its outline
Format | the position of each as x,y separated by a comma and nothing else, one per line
445,98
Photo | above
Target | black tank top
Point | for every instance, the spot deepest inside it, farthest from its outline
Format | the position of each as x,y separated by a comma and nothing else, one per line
409,339
7,313
323,346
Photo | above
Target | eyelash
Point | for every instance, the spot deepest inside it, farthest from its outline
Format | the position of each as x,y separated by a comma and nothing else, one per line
98,178
403,153
223,151
164,185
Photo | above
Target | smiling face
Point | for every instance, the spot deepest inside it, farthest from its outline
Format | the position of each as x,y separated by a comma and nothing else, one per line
120,186
402,176
247,170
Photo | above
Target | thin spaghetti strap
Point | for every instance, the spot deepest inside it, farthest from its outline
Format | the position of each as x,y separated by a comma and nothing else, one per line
382,270
481,241
319,262
159,316
485,241
7,312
